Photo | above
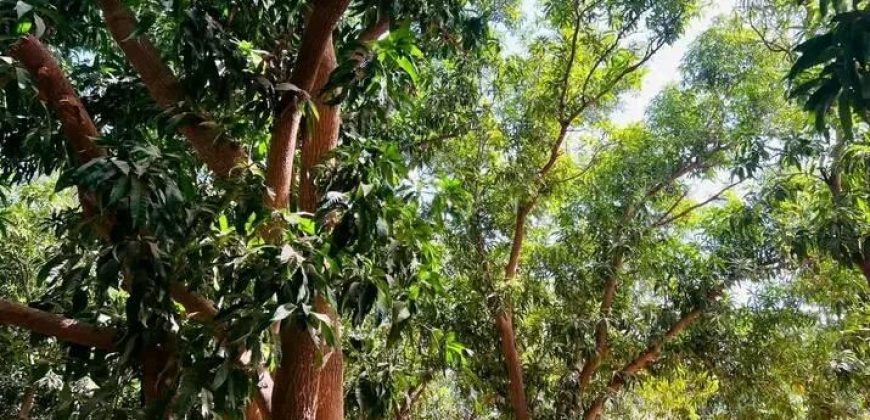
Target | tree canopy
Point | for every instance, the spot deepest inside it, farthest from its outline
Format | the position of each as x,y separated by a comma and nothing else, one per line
434,209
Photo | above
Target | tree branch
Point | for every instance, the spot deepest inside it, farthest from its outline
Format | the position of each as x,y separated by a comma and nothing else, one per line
219,153
57,326
282,150
372,33
665,219
609,50
601,346
563,97
79,129
647,358
58,94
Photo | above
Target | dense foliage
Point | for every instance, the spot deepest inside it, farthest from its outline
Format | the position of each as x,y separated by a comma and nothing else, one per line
433,209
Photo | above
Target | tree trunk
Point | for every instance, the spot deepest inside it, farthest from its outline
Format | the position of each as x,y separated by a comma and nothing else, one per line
157,373
315,147
865,269
27,403
329,394
298,374
282,150
504,322
516,387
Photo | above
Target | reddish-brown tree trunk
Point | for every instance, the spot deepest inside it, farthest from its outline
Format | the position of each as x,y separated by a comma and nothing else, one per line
516,387
298,375
282,150
27,403
504,322
330,395
157,372
316,146
297,380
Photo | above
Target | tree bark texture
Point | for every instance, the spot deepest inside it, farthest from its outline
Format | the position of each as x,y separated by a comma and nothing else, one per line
504,322
58,94
516,387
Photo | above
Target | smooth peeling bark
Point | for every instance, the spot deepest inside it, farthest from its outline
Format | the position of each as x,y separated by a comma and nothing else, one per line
219,153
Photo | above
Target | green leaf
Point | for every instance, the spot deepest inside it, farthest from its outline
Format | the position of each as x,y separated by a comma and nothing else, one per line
815,51
138,205
283,311
408,67
119,190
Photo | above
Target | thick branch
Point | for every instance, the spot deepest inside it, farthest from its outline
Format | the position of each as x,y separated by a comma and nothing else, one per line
647,358
57,326
279,165
58,94
510,272
375,31
79,129
589,368
220,154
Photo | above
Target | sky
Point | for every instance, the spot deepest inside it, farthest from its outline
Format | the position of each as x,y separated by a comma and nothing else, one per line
666,62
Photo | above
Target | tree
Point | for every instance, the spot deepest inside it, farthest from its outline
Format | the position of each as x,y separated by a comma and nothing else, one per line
319,210
226,246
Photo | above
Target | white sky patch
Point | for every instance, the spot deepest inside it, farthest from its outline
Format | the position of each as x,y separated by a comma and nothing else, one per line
663,68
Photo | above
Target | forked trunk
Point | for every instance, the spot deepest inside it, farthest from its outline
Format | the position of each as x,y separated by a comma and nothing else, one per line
316,146
323,389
